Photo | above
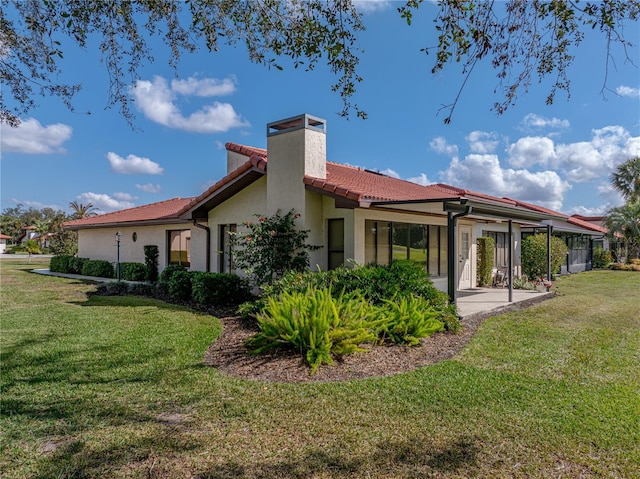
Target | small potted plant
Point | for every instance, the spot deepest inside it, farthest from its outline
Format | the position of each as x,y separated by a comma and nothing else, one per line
543,285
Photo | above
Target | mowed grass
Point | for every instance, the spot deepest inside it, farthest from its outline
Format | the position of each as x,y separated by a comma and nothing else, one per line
109,387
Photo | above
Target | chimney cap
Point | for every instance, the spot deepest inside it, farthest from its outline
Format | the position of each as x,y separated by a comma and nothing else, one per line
297,123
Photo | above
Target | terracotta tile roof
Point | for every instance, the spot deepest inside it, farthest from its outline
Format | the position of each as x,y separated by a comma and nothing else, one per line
363,185
162,210
246,150
574,220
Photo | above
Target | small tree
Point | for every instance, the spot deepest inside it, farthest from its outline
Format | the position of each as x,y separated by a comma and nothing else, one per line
486,249
534,255
32,247
270,247
151,261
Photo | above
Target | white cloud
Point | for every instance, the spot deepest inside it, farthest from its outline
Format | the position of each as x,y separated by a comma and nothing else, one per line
369,6
391,173
158,103
149,187
482,142
440,145
585,211
545,187
623,90
105,203
533,121
611,195
31,137
120,196
204,87
608,147
133,165
421,179
531,150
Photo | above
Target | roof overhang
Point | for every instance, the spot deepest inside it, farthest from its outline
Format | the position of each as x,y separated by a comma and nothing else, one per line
200,209
479,209
123,224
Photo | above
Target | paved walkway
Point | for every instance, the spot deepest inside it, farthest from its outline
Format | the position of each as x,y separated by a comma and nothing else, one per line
484,301
74,276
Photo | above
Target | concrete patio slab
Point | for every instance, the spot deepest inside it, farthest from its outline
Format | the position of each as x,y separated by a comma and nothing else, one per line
485,301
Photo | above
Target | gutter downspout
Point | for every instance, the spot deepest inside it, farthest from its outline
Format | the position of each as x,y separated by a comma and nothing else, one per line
452,237
549,232
208,247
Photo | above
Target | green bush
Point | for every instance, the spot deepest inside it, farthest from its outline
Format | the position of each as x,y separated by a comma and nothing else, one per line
151,255
133,271
98,267
534,255
601,258
219,289
180,286
407,319
113,288
76,264
316,324
169,271
376,283
142,289
486,251
60,263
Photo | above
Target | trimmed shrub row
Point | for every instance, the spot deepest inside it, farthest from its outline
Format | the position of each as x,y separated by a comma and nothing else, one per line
67,264
209,289
98,267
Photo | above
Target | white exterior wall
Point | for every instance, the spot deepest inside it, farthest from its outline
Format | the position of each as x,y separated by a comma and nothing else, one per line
100,243
241,207
235,160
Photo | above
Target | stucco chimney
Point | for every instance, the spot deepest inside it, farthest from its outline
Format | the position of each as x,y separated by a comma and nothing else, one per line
296,147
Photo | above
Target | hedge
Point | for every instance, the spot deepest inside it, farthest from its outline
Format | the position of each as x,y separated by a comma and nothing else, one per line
98,267
133,271
219,289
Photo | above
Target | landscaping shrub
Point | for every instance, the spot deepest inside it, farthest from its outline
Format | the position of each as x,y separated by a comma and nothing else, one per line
151,255
376,283
142,289
270,247
169,271
486,250
624,267
534,255
407,319
113,288
180,286
601,258
219,289
133,271
76,264
98,267
316,324
60,263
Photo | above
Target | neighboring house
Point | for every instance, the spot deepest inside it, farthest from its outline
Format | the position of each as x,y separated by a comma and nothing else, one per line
351,212
3,242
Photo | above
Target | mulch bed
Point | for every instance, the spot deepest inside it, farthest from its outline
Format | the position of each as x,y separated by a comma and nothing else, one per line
229,355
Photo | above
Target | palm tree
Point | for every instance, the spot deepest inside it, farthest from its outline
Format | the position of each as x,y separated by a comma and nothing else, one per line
43,228
624,221
82,211
626,179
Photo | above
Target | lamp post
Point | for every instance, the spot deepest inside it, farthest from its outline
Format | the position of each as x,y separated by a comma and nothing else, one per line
118,236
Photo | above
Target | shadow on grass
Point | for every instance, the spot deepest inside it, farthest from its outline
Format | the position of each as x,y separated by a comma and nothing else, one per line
158,456
415,457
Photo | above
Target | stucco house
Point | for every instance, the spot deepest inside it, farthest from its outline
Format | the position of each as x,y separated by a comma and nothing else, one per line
3,242
353,213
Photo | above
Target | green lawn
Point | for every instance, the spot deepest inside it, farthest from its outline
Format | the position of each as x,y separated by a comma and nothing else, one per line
112,387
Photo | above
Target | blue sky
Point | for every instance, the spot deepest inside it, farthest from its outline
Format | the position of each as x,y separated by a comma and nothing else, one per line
559,156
